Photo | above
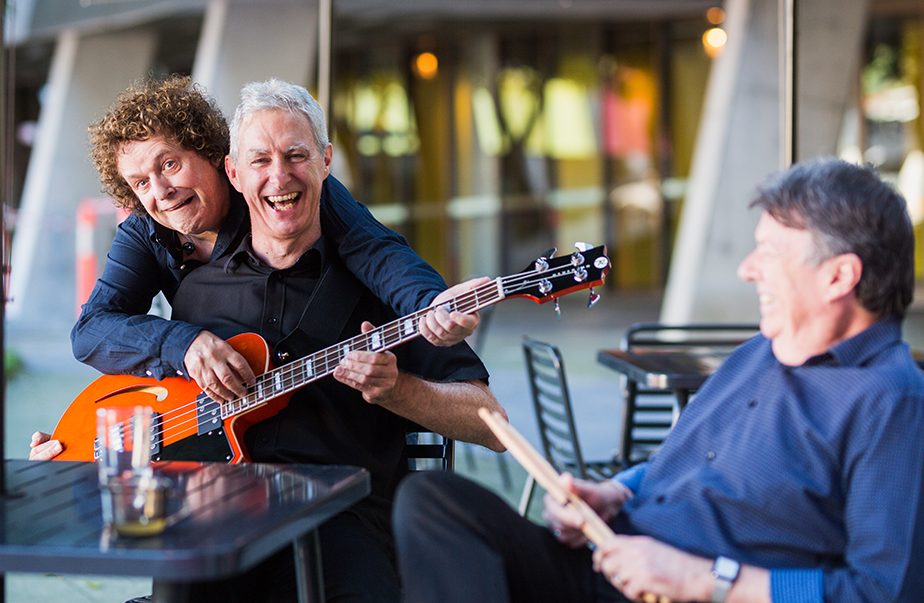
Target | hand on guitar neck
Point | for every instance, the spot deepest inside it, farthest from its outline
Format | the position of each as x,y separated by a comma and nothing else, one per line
442,328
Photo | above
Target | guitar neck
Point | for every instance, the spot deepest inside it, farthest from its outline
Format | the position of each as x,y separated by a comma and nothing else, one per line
543,281
322,363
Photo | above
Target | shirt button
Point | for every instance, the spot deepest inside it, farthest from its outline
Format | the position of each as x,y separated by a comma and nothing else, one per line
752,403
710,455
272,320
148,373
660,499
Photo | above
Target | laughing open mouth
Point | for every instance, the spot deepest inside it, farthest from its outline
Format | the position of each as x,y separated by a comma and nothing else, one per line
283,202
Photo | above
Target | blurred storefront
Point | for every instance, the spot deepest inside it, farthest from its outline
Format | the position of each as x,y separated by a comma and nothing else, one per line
488,131
487,143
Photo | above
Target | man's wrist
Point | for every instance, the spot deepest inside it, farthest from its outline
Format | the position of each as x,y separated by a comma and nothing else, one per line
724,574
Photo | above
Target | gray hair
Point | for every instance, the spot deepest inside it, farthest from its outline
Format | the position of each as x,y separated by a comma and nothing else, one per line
849,209
277,94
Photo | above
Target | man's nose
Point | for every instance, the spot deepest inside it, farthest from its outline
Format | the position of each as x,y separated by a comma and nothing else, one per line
279,174
747,269
162,187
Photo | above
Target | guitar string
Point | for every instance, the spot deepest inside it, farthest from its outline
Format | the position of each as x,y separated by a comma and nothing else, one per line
174,420
169,421
329,358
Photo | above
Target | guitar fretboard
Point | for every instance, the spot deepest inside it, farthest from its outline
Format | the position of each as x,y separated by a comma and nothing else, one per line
322,363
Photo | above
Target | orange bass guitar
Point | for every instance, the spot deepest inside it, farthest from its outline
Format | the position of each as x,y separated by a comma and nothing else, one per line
189,425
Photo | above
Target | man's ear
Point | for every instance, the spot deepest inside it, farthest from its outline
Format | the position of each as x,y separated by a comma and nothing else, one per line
231,171
844,275
328,156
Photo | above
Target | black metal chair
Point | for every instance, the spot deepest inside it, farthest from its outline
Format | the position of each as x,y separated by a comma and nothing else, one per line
649,412
557,431
425,450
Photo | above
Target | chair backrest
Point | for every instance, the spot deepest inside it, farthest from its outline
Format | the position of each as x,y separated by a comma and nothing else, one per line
712,336
425,450
650,413
552,403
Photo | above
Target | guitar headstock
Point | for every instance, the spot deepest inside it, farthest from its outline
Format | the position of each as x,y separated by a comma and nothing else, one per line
549,277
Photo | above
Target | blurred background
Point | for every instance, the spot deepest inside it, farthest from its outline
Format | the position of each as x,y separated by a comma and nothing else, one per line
485,131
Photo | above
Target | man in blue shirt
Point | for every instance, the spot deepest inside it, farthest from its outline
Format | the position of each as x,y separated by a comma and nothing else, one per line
795,475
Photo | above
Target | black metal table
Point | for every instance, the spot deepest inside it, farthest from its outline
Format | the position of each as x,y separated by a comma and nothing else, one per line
230,517
681,372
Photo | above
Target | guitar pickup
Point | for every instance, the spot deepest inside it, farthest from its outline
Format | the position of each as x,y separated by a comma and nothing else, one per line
208,415
157,434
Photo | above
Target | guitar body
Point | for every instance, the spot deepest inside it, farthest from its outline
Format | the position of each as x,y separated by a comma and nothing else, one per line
178,426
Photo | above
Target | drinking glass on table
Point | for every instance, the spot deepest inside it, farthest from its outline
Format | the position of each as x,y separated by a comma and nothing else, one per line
132,496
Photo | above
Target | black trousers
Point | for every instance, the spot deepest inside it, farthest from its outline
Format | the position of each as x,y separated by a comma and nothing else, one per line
357,553
458,542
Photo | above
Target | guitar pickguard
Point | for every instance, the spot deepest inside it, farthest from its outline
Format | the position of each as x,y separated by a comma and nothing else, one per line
212,447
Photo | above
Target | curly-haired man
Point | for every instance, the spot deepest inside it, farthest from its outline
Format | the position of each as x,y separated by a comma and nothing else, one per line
160,151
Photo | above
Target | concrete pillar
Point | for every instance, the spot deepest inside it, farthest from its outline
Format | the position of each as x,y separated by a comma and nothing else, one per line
739,140
476,212
86,74
830,48
244,41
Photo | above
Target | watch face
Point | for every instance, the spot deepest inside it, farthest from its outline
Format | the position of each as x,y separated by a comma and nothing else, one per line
726,568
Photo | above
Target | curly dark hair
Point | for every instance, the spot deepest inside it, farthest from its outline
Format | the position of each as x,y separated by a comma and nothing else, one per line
175,108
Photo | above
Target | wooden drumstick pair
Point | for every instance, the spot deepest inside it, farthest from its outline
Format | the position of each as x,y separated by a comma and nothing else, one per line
594,528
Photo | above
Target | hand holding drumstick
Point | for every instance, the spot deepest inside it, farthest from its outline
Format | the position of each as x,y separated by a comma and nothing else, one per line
577,509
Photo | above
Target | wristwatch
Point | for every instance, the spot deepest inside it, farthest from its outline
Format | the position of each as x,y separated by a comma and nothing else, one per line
725,572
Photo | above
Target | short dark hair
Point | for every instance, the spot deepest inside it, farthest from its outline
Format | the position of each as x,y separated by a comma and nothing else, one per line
175,108
850,209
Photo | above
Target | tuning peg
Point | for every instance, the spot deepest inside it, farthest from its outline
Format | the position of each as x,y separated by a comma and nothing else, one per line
550,252
594,298
557,309
581,246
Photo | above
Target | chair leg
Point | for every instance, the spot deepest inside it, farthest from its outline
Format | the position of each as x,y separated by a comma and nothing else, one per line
527,495
504,472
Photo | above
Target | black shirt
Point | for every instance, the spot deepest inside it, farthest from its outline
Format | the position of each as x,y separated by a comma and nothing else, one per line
325,422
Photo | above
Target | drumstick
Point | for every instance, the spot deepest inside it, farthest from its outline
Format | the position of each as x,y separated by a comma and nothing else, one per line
542,471
594,528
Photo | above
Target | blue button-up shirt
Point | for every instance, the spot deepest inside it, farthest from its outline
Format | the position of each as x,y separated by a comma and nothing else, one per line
115,335
813,471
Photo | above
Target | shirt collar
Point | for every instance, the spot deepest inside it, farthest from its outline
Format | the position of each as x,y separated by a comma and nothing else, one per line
311,262
860,348
236,223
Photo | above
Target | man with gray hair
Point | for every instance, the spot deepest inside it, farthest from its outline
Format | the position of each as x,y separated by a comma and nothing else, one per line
796,474
284,283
